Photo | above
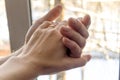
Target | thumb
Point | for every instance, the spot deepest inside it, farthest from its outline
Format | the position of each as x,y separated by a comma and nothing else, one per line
86,21
76,62
54,13
51,15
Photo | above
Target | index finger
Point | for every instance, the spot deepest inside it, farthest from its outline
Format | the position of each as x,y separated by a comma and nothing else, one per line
51,15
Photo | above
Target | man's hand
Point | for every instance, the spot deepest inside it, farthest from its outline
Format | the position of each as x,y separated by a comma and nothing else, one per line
75,35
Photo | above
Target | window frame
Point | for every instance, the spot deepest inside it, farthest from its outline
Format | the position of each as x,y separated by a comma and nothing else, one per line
19,20
19,26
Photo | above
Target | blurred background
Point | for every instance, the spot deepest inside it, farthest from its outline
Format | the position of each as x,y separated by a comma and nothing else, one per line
103,43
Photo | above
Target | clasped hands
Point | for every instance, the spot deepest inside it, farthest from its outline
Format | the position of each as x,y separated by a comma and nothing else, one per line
49,48
55,47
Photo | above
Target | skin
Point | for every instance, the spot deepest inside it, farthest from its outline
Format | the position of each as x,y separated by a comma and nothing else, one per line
4,59
37,56
57,11
35,59
76,34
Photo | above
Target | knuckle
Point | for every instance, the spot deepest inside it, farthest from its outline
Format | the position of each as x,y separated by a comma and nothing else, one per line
74,47
83,43
77,53
80,51
37,32
71,34
47,22
37,21
87,35
52,31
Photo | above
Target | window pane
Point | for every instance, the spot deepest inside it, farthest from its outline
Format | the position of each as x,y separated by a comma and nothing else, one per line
4,34
103,42
39,8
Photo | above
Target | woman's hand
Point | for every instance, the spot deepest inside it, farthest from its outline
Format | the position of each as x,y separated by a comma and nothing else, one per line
74,39
46,52
50,16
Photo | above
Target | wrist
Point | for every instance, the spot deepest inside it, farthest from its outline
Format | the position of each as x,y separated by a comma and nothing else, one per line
16,68
17,52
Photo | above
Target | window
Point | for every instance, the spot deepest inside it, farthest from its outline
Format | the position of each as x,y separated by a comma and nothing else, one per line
19,20
103,43
4,34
